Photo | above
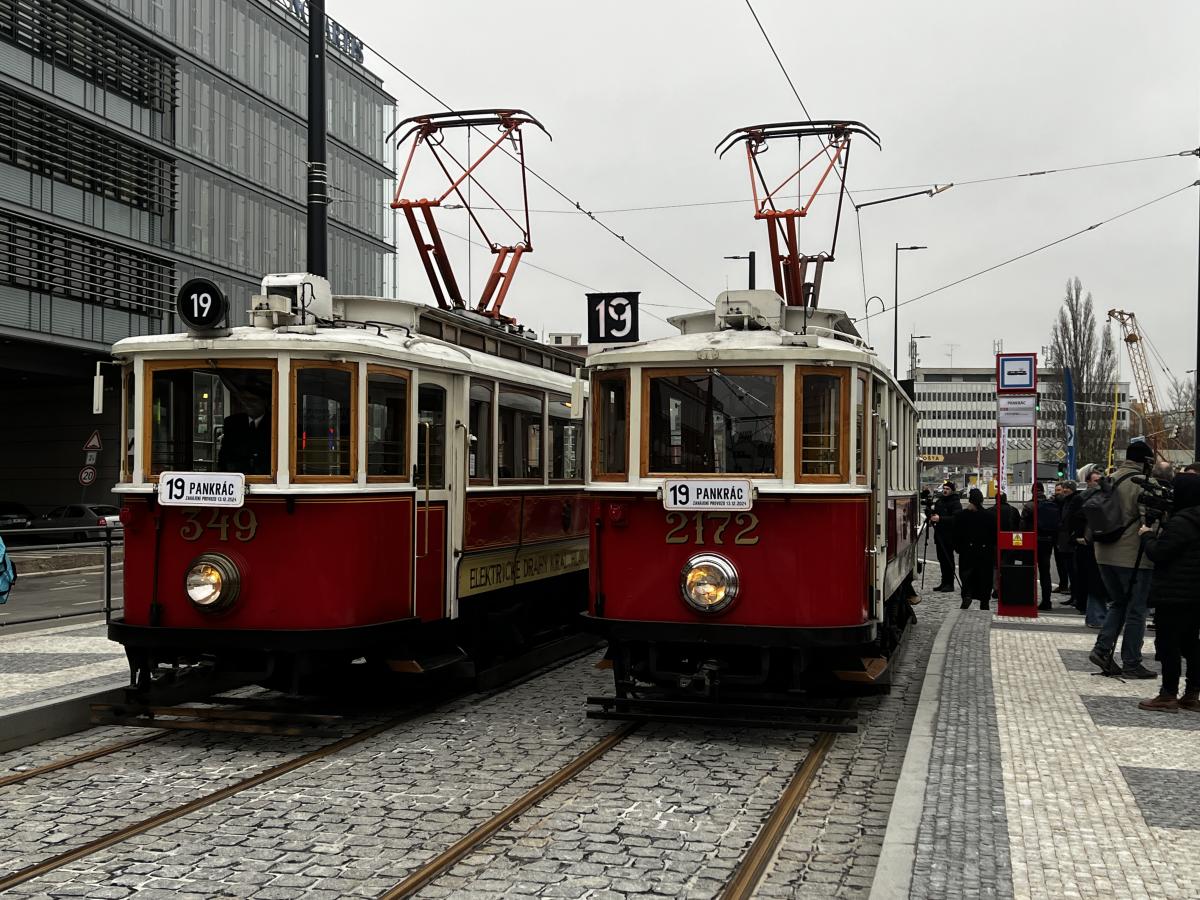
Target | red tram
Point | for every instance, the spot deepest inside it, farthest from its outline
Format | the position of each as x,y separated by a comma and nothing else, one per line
414,487
753,489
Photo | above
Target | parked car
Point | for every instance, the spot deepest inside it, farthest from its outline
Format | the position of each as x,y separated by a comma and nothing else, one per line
92,521
14,518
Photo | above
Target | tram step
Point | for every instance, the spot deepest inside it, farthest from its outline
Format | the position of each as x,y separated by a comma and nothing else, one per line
433,663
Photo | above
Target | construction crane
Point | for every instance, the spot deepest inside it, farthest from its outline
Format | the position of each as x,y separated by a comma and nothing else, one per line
1141,374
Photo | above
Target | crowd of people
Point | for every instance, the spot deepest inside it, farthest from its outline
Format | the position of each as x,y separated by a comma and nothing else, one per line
1114,578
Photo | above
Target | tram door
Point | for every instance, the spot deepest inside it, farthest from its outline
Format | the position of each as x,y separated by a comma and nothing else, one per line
881,480
439,488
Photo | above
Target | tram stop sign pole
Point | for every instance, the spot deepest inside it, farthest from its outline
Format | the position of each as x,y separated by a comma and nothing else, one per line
1016,551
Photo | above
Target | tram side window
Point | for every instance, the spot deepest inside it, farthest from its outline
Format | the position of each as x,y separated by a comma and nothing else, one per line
713,421
862,414
822,441
610,409
566,441
127,420
431,435
479,455
211,420
324,421
387,425
520,455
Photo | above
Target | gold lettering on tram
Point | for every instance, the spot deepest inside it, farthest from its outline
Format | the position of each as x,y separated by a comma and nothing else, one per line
713,524
243,523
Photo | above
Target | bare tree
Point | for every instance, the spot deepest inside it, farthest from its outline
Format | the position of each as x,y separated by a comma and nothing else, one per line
1180,415
1089,352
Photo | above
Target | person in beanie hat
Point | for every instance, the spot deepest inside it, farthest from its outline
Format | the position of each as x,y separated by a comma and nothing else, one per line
1176,554
975,540
945,508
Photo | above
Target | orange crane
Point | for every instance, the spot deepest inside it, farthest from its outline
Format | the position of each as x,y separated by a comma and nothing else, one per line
1141,374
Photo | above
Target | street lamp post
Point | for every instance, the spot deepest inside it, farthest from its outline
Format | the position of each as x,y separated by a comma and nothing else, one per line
912,351
749,256
896,313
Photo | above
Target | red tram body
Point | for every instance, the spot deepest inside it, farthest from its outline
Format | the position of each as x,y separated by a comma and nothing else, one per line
416,499
809,576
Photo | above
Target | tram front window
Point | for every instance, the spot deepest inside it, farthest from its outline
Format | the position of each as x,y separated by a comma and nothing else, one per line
713,422
211,420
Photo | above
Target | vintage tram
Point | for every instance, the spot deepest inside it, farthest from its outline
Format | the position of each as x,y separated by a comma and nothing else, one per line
753,504
412,495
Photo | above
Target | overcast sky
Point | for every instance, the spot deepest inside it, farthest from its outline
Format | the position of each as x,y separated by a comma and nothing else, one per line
636,94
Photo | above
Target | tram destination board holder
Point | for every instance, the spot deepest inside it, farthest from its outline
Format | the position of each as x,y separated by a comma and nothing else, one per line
1016,551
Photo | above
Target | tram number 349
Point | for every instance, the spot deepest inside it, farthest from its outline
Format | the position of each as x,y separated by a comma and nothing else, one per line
243,524
693,527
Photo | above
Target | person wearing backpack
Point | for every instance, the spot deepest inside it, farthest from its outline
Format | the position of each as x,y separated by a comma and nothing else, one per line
1087,590
1175,550
8,573
1114,516
1047,531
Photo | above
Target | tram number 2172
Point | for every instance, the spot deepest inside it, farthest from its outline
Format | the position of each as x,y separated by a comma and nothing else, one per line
699,527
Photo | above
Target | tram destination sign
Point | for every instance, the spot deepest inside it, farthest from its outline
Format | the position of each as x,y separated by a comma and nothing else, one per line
613,318
201,304
708,493
226,489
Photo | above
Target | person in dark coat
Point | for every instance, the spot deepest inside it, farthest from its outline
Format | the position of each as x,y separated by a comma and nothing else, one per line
945,508
1175,588
1047,528
1087,589
1069,503
975,541
246,438
1010,516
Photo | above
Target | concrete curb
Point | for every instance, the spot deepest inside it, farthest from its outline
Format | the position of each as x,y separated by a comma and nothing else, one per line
893,874
54,718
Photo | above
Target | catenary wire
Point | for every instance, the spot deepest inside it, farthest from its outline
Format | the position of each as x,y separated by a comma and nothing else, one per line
1021,256
563,196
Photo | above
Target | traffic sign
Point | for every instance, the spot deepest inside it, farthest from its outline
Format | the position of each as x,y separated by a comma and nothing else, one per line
90,457
1016,373
93,443
87,475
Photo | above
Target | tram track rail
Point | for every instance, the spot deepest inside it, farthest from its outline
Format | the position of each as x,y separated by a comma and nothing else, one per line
87,756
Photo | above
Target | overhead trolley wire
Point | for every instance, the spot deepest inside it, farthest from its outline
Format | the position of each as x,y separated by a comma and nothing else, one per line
1027,253
578,206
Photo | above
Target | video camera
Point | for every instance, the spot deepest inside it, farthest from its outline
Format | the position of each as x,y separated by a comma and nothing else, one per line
1157,498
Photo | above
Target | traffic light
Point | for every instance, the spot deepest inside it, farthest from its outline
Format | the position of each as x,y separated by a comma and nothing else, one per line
1062,470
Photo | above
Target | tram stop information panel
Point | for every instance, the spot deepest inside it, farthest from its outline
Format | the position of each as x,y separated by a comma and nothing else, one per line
1016,551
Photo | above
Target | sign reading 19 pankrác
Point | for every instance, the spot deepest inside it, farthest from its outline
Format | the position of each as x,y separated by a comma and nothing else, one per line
708,493
226,489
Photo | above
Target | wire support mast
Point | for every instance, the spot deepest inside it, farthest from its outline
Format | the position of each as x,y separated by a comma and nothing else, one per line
427,131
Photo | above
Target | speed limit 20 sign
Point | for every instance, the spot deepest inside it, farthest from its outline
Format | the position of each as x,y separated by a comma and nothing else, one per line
613,318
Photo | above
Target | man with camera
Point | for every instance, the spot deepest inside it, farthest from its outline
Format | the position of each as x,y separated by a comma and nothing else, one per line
1175,549
945,508
1124,569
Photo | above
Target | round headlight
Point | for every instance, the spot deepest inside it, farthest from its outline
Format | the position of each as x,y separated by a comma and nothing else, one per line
212,582
708,582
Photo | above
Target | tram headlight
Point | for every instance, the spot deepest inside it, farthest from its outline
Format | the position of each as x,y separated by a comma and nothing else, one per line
212,582
708,582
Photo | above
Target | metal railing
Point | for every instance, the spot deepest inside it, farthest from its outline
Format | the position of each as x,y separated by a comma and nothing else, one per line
17,541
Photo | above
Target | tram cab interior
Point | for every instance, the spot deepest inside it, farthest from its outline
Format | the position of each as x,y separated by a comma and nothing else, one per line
391,452
816,569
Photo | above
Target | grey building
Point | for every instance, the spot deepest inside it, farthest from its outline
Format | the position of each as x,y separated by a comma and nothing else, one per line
143,142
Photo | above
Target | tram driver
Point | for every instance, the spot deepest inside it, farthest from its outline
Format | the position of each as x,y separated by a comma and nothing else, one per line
246,437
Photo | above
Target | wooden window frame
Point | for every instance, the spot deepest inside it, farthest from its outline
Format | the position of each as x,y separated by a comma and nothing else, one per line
127,398
406,374
621,375
502,386
493,437
843,376
150,367
864,378
351,368
565,398
667,372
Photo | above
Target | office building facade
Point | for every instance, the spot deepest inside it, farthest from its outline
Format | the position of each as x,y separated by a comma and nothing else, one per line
145,142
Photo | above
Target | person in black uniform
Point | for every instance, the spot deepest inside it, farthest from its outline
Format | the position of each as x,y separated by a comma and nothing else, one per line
945,508
975,540
1010,516
246,439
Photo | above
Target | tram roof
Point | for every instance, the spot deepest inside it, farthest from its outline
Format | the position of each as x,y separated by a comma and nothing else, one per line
388,345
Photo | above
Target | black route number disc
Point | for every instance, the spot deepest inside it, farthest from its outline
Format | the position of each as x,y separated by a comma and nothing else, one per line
201,304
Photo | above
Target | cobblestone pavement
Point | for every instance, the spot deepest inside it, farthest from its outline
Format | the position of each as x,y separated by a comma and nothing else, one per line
357,822
38,666
832,848
1047,781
